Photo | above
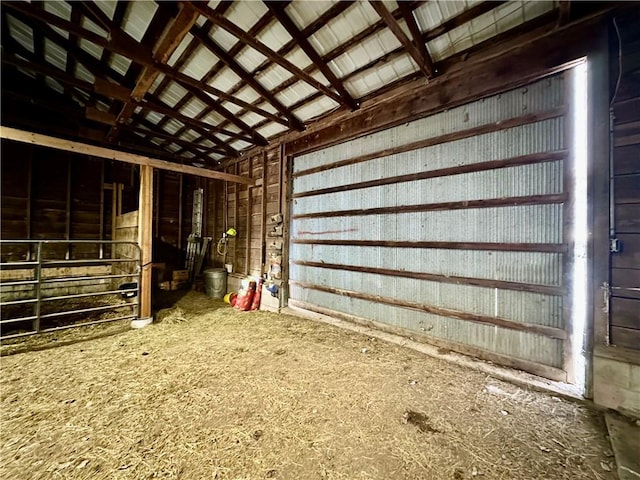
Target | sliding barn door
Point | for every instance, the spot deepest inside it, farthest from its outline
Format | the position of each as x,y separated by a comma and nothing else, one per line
450,228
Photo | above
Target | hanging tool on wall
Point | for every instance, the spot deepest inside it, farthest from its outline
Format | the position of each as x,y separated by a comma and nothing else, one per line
196,244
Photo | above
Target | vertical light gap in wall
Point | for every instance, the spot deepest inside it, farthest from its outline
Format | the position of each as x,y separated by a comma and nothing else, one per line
580,234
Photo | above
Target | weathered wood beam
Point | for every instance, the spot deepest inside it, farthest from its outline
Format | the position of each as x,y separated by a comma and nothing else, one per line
92,150
113,90
564,12
187,82
174,34
173,139
278,9
229,61
461,19
145,239
188,52
310,30
416,35
232,28
425,64
76,17
118,42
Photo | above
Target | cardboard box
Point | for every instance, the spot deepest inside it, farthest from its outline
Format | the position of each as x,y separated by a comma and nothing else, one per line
180,276
267,302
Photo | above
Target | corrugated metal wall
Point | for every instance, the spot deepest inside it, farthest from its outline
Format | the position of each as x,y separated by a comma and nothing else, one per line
451,227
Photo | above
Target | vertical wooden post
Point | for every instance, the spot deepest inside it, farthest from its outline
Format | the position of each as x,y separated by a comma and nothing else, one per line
180,213
236,201
263,219
114,213
156,219
249,212
67,228
101,233
145,227
285,199
29,201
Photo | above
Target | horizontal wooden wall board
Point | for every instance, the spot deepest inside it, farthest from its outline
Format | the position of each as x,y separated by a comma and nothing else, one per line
529,366
629,257
514,247
92,150
437,140
625,282
433,207
479,282
625,337
543,330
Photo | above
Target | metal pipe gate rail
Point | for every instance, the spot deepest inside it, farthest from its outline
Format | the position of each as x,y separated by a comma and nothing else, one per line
38,281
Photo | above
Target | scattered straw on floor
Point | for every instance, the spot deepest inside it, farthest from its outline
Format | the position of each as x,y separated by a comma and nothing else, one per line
211,393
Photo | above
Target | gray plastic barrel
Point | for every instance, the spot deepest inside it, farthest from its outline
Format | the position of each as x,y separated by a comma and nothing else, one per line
215,282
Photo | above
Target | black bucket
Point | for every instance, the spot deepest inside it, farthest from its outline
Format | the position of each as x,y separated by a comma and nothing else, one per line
129,296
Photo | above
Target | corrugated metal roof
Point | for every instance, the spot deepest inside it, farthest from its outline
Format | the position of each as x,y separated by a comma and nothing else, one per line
376,60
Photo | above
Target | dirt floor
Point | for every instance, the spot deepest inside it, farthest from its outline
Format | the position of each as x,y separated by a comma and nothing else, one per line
210,393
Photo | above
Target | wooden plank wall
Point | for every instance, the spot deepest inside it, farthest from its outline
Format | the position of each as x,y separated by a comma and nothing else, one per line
49,194
248,208
625,271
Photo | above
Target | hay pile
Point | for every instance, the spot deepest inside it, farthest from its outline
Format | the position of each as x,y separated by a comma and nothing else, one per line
211,393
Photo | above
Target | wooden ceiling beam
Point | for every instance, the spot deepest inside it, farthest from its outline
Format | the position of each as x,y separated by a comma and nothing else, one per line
236,31
310,30
174,34
210,76
92,150
425,64
278,9
109,89
184,57
99,71
564,12
172,139
230,62
125,44
461,19
165,46
172,37
416,35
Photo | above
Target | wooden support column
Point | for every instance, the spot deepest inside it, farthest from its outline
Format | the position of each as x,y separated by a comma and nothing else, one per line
145,227
247,267
180,213
101,233
29,202
263,219
67,228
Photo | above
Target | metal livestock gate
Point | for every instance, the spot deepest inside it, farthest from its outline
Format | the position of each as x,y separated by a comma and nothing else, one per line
452,228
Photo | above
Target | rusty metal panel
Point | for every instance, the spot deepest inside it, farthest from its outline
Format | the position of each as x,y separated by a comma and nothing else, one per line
523,345
541,96
509,224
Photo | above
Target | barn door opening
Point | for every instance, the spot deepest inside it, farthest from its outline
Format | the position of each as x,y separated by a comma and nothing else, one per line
466,228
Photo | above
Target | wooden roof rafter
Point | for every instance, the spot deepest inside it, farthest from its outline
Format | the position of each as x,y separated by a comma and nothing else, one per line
101,72
252,42
313,27
218,67
329,56
122,43
184,57
278,9
419,55
230,62
176,31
